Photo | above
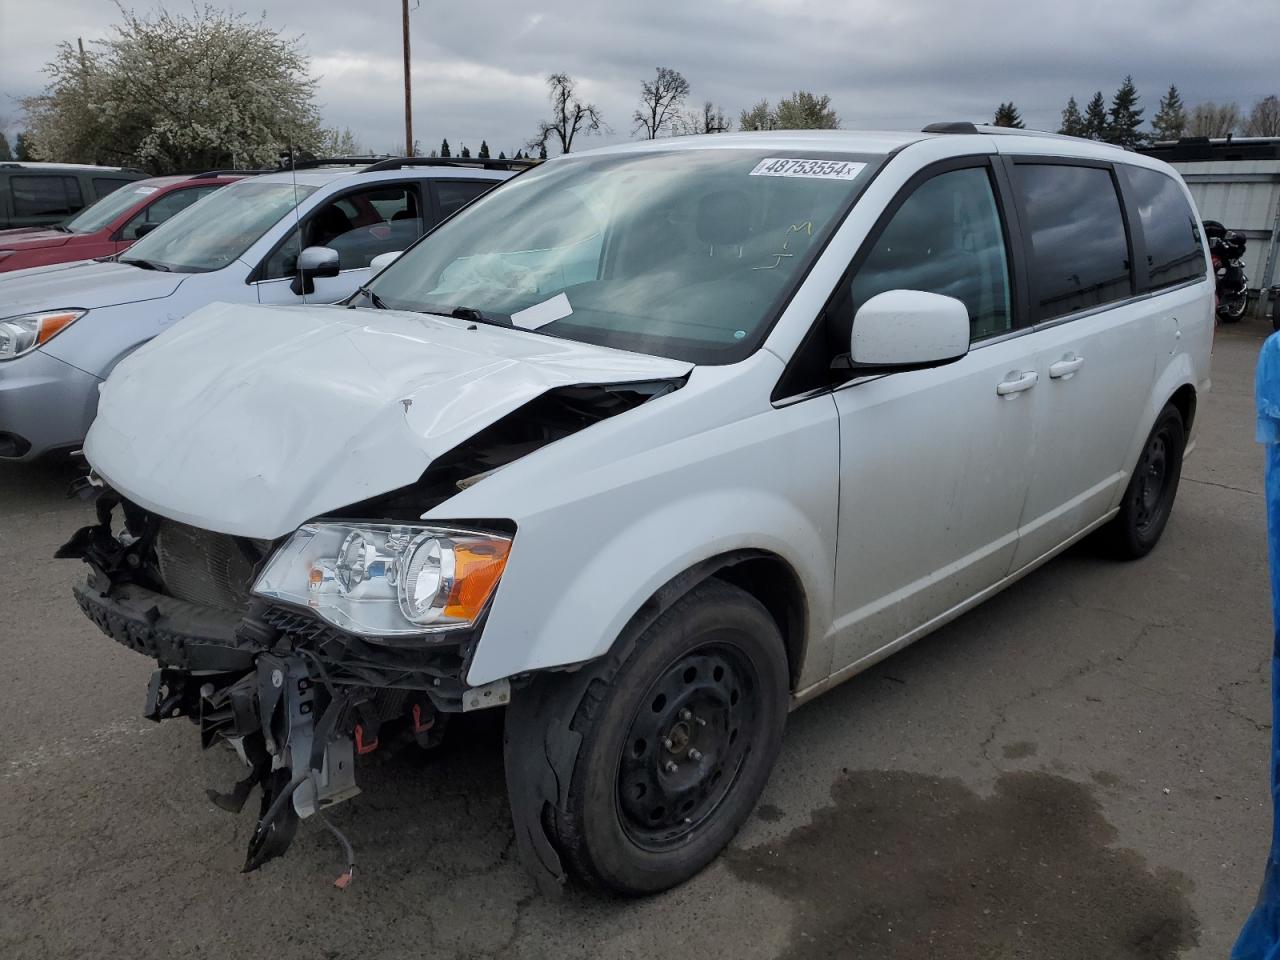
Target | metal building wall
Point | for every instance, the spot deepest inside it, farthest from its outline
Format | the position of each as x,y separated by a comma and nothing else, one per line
1244,195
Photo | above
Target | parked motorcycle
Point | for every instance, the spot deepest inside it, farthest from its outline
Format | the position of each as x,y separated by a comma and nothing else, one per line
1227,249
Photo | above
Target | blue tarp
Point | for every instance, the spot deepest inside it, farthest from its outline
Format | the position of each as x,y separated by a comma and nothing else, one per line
1260,938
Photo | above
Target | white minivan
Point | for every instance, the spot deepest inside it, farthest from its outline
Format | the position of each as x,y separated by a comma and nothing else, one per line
649,446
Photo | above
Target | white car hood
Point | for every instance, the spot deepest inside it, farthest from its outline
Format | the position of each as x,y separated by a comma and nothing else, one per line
87,284
252,420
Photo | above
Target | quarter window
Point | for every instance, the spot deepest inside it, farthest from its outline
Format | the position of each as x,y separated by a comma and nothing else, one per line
1175,250
945,238
1079,249
453,195
45,196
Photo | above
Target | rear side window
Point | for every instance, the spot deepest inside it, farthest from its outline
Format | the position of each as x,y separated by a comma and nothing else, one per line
1175,250
1079,250
45,196
453,195
104,185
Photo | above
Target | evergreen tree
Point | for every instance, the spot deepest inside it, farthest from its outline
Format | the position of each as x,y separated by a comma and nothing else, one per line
444,149
542,152
1007,116
501,155
1072,120
1126,116
484,150
1170,120
1095,118
5,152
466,151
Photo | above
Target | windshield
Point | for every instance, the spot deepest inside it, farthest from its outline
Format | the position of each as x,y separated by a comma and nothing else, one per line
688,254
210,234
96,216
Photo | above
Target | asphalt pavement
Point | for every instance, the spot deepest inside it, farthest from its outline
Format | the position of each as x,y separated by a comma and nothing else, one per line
1078,768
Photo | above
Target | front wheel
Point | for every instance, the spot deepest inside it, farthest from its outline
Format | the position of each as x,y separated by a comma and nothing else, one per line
677,744
1148,500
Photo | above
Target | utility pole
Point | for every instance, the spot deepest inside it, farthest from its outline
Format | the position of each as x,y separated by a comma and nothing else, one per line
408,96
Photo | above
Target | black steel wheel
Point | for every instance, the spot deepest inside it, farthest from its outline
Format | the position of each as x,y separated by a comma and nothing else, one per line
1148,499
689,738
680,730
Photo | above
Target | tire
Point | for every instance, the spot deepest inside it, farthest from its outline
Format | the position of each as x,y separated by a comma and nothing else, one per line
709,676
1229,312
1145,509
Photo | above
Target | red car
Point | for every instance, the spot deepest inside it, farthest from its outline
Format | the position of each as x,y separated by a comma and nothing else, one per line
110,225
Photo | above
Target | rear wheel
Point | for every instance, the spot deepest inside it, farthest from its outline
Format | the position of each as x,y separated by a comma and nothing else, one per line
1148,500
678,742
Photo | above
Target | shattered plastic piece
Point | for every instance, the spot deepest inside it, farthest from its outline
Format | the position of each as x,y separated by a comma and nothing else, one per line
344,881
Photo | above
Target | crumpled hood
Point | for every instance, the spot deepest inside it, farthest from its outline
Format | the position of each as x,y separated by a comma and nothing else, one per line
32,239
252,420
87,284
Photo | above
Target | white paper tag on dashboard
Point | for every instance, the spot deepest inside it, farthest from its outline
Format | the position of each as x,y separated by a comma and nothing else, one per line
540,314
812,169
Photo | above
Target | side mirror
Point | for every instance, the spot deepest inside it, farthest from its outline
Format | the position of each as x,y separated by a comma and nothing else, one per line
314,262
142,229
902,330
383,260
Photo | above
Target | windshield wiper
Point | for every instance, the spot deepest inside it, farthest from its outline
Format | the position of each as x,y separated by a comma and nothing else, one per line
146,264
373,298
479,316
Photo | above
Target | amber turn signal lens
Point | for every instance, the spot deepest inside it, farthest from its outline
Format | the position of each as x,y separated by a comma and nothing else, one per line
53,323
477,568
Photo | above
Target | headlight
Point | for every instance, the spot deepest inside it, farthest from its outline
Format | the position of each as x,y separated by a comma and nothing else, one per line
19,335
387,580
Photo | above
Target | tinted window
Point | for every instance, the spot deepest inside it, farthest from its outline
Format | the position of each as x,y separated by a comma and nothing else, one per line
164,208
946,238
455,194
359,226
45,196
1079,252
1175,252
104,185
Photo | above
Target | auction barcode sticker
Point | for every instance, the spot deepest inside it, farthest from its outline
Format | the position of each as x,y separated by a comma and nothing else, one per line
815,169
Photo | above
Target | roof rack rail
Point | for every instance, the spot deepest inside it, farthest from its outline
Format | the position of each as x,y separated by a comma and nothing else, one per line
950,126
326,162
208,174
397,163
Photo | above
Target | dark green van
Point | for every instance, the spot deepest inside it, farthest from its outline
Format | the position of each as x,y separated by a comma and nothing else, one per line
40,194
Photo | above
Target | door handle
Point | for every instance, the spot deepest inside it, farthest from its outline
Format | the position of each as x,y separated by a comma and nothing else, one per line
1017,383
1065,367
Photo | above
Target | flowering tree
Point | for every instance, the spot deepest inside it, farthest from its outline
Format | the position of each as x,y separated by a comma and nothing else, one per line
175,92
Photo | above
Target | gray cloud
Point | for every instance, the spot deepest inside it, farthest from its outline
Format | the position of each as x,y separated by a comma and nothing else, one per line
886,63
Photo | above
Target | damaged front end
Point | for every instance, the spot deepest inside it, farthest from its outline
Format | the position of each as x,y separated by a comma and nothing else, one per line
297,698
307,650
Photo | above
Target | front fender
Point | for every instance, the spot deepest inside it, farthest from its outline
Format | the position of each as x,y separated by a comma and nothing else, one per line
543,621
606,517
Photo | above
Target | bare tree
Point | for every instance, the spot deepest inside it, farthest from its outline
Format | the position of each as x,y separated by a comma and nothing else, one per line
1264,118
569,115
661,100
710,119
1211,119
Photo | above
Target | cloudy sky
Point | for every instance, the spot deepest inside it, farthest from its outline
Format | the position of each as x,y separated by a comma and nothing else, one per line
479,66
